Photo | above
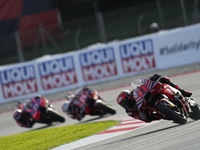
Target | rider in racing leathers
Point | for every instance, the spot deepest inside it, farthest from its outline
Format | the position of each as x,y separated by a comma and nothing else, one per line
72,108
126,100
77,110
22,117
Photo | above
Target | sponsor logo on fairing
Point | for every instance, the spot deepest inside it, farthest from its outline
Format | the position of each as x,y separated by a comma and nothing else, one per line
98,64
18,81
137,56
57,73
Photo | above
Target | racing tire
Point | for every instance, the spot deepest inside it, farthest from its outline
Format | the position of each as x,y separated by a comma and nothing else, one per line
55,115
195,112
106,108
171,114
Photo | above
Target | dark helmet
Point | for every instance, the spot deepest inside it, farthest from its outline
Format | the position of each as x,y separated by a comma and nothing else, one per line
86,88
18,115
123,99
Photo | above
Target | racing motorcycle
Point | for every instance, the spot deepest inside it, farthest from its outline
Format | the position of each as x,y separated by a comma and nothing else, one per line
40,110
95,105
164,100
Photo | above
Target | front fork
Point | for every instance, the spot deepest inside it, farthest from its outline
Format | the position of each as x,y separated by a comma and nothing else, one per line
184,102
185,108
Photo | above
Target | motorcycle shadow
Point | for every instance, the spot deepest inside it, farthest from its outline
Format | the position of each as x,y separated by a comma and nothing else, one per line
45,126
93,119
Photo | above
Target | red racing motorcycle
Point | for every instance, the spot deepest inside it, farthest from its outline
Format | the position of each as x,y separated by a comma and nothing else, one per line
92,104
164,100
40,110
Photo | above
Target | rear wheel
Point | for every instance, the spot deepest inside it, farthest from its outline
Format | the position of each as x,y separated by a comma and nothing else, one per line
171,114
55,115
106,108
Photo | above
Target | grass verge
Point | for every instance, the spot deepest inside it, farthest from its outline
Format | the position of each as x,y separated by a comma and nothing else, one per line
53,137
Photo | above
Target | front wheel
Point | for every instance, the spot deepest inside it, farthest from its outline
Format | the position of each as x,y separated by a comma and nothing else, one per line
171,114
195,112
106,108
55,115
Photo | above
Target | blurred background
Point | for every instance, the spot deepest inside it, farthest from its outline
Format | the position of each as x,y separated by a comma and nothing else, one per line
32,28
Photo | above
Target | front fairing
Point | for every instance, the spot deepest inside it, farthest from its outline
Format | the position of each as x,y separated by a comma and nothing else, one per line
169,91
145,92
140,101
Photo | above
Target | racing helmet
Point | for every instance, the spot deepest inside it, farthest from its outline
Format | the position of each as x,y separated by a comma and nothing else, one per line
66,107
18,115
123,99
78,93
29,103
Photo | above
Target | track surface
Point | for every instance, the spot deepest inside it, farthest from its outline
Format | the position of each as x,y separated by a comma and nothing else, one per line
162,135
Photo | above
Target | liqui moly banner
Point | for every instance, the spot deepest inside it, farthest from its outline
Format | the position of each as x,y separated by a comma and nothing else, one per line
98,64
57,73
18,81
137,56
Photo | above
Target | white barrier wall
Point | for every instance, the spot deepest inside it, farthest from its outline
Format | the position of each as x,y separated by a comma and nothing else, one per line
177,47
106,62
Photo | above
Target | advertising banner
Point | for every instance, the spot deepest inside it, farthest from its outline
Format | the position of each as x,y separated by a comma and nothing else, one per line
18,81
57,73
98,64
137,55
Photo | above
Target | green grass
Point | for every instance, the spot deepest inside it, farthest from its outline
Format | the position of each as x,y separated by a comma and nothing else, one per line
53,137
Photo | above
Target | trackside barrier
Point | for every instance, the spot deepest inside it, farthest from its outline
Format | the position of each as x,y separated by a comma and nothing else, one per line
94,64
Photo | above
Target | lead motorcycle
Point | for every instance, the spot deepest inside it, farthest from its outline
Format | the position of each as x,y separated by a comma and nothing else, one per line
40,110
164,100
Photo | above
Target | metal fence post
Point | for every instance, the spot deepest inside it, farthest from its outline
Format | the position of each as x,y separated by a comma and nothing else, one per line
139,24
43,39
76,38
184,12
196,13
19,47
100,22
160,14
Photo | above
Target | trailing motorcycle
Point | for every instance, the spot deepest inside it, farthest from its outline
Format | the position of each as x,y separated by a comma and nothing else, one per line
39,110
164,100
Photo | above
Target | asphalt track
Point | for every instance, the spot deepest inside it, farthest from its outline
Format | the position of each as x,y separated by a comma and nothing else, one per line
162,135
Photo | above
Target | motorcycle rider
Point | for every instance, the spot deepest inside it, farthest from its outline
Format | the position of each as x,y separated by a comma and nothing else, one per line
74,108
126,100
21,115
23,118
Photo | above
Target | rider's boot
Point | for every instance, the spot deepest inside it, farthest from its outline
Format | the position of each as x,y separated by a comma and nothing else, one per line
185,93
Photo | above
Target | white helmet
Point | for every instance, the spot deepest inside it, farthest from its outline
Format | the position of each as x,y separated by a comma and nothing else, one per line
65,106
